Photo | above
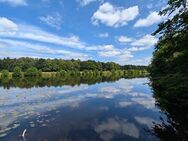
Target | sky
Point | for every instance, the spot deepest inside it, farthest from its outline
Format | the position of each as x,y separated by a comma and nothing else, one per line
101,30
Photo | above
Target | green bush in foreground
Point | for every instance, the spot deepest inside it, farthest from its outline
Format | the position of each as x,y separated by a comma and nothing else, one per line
4,73
32,72
17,72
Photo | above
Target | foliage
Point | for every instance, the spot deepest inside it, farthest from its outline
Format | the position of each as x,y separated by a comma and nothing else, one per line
169,72
57,65
53,79
4,73
62,73
171,52
17,72
32,71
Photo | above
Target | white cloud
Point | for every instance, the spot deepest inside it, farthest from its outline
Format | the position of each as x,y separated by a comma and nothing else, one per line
145,121
146,41
37,34
147,102
124,104
104,35
101,48
152,18
15,2
42,50
124,57
20,103
114,16
140,61
54,20
109,90
114,126
118,55
111,53
85,2
124,39
7,25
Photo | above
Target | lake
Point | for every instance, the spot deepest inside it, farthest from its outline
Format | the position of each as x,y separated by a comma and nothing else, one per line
115,110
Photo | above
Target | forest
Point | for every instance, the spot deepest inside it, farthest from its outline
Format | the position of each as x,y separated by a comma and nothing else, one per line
51,65
37,67
169,72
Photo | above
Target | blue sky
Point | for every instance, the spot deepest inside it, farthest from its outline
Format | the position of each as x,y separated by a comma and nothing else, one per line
101,30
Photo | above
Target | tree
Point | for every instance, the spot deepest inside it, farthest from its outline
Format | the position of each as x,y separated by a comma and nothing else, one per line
169,72
170,55
32,71
55,65
4,73
17,72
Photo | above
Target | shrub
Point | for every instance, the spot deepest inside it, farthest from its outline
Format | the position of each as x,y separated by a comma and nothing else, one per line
17,72
4,73
32,72
62,73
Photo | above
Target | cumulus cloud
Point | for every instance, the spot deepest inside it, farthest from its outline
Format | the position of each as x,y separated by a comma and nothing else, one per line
110,53
114,16
120,56
54,20
15,2
146,41
152,18
124,39
125,55
140,61
140,44
11,30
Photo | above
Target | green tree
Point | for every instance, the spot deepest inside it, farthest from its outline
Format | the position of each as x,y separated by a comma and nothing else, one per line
62,73
4,73
171,52
169,72
32,71
17,72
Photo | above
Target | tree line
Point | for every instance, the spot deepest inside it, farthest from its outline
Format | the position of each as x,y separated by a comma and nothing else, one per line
54,65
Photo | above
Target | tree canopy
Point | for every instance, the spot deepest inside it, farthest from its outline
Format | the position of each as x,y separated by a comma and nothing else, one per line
170,55
54,65
169,72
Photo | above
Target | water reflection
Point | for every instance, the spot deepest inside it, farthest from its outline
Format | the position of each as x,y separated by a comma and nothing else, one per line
121,110
171,97
110,128
28,82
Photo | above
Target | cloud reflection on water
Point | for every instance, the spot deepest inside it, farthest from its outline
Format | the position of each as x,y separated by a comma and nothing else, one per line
17,104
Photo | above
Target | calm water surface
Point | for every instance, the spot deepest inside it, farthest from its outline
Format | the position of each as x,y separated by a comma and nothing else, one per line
110,111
